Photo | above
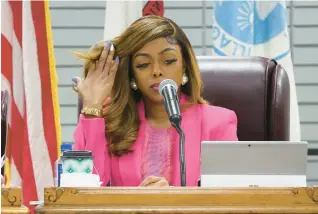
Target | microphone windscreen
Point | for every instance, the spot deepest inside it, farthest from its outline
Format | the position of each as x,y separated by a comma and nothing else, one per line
165,83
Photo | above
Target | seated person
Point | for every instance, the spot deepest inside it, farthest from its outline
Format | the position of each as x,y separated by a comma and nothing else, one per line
124,122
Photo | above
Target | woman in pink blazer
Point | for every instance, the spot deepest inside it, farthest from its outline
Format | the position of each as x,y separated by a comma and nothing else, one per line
130,135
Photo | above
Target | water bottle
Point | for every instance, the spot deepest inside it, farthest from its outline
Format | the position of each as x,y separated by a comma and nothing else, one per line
58,164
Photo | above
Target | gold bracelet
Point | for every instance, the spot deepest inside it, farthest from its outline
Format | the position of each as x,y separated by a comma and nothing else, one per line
92,111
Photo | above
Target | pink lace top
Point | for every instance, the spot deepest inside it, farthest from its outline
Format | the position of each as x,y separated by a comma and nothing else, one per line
156,159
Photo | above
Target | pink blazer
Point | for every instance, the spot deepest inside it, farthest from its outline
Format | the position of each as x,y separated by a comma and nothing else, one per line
199,123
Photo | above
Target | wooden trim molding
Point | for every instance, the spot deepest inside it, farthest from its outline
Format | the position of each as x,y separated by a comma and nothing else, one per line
180,200
11,201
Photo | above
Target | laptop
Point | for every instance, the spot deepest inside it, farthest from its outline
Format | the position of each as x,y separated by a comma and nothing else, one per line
253,163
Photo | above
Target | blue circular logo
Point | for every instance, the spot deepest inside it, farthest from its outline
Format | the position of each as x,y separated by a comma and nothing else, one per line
242,20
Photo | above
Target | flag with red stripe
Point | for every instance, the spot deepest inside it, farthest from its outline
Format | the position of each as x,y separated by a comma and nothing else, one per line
28,74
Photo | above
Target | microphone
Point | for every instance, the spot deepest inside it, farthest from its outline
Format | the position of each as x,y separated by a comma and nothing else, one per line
168,89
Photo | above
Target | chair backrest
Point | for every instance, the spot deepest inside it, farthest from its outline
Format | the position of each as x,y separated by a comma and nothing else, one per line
256,88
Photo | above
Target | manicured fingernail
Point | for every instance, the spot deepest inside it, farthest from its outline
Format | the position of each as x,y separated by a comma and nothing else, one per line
108,44
74,80
117,58
112,48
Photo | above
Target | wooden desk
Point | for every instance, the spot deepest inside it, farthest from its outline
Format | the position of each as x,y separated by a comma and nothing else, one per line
11,201
179,200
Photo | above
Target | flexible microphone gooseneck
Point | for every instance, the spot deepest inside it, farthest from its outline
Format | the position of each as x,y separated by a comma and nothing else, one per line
168,89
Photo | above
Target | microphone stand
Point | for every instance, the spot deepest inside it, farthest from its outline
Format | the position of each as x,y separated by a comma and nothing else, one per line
176,123
171,104
181,156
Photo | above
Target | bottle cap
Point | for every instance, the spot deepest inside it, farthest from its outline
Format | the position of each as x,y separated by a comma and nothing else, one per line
66,147
77,154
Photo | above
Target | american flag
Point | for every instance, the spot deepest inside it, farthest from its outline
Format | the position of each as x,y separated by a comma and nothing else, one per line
28,74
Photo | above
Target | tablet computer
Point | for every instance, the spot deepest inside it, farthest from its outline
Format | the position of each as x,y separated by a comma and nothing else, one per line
253,163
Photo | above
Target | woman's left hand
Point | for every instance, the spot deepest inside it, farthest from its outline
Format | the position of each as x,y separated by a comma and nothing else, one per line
153,181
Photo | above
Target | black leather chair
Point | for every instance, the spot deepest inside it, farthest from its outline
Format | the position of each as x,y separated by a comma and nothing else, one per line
256,88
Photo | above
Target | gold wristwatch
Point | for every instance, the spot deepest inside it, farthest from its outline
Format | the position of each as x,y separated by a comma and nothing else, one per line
92,112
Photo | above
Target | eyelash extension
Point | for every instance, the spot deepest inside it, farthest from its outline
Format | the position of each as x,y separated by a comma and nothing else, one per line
142,65
170,61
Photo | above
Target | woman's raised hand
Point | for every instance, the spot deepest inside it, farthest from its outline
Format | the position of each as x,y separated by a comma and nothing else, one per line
97,86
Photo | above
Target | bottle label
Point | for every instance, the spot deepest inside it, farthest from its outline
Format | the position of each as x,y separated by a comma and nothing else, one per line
59,172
